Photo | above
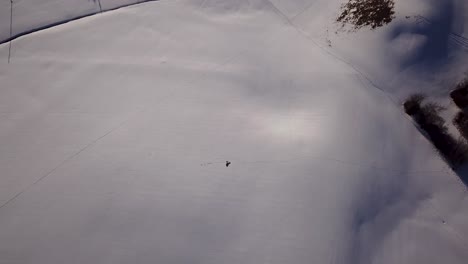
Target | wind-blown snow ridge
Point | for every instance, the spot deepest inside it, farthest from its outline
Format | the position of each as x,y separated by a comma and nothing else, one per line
57,23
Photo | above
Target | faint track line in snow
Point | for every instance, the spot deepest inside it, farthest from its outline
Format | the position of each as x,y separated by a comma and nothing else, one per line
456,39
326,159
337,57
351,65
327,51
448,227
11,30
389,97
68,159
460,40
222,64
420,135
361,74
58,23
304,10
100,6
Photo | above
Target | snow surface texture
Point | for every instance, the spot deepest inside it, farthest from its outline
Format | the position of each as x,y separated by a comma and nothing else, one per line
31,15
115,130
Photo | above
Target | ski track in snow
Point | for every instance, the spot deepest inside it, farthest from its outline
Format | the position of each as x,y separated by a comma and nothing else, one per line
336,252
68,159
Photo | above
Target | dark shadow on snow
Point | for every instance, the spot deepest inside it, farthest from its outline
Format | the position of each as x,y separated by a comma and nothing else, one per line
427,116
437,29
462,173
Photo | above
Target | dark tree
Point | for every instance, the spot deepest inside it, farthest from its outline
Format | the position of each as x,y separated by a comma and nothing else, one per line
460,94
363,13
428,117
413,104
460,121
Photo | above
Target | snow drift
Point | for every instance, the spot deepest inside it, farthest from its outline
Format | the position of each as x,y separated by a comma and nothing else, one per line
115,130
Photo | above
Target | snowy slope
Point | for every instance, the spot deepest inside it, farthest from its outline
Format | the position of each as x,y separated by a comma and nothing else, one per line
31,15
4,19
115,130
425,48
110,4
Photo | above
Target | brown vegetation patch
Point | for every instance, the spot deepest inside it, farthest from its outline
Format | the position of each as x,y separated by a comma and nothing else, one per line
363,13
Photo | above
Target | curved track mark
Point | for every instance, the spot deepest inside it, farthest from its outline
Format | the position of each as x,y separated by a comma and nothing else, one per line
27,32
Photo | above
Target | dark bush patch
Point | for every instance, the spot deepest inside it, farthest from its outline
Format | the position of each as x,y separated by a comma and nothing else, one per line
430,115
363,13
413,104
460,121
428,118
460,94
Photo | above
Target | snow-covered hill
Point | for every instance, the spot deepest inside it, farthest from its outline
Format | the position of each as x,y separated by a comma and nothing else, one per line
115,130
31,15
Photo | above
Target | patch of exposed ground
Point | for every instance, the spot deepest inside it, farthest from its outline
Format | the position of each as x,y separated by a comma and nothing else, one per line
367,13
